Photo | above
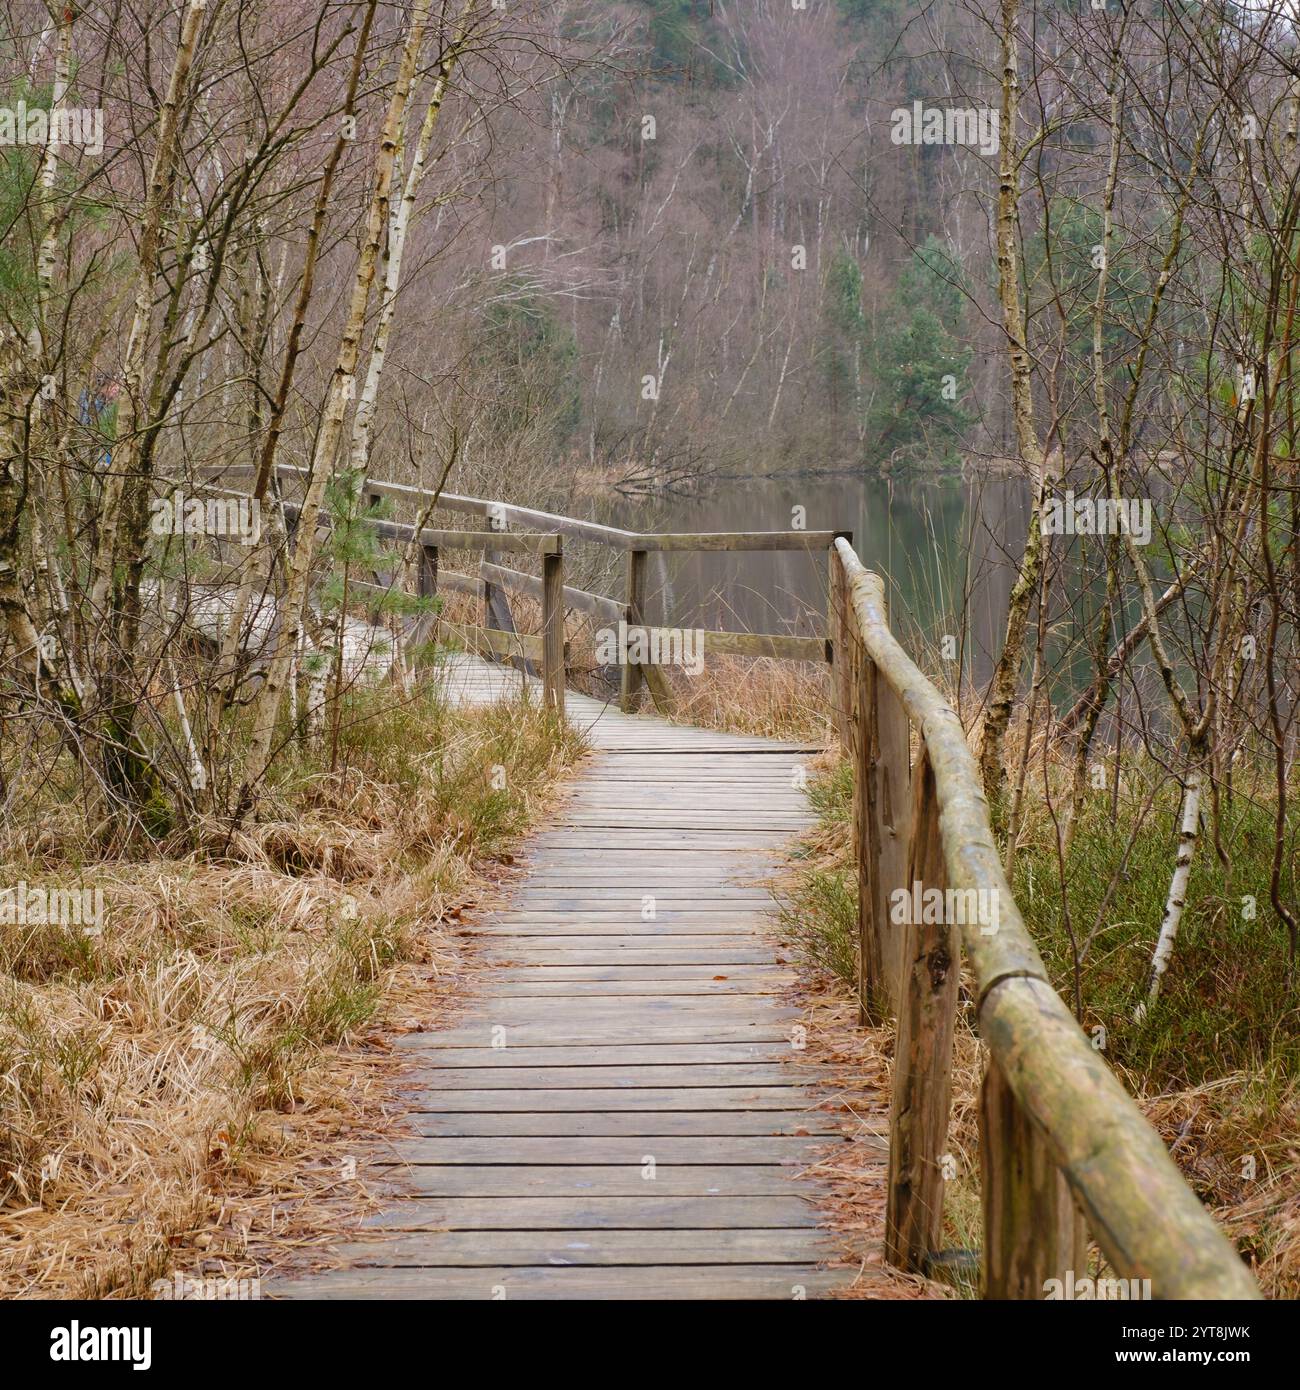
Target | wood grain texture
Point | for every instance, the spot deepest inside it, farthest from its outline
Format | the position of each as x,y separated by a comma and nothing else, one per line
622,1107
1063,1107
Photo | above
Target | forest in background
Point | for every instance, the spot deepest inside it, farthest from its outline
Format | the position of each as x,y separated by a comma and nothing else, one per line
548,250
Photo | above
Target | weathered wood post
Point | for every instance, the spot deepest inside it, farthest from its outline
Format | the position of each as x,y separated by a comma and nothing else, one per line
553,628
426,586
883,773
370,502
489,590
858,723
927,1008
634,601
428,576
1032,1229
838,627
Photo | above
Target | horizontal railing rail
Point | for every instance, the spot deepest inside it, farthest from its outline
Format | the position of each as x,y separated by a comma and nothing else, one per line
494,580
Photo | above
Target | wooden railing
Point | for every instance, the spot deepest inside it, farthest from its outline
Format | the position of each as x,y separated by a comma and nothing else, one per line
497,637
1064,1150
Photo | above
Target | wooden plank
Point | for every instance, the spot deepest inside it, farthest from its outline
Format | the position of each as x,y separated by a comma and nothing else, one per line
596,604
566,1032
522,542
624,989
467,1249
629,952
462,583
644,1123
626,882
593,1076
558,940
715,913
737,540
631,1055
435,1101
497,641
573,929
594,1180
523,1283
646,899
597,1214
685,840
676,819
419,499
721,643
636,1151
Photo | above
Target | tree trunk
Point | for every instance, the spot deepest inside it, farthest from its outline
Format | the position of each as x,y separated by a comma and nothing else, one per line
1006,674
331,432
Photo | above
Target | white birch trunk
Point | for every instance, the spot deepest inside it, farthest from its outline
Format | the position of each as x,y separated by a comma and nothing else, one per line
342,387
1177,898
47,255
399,225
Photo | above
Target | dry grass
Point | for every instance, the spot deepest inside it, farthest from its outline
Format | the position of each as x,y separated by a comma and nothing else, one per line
755,695
1237,1141
852,1167
181,1091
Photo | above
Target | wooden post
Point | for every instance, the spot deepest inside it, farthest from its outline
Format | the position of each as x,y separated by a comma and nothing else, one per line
887,780
370,502
918,1126
856,670
553,629
1032,1229
874,1004
838,627
877,740
428,576
426,586
489,558
634,604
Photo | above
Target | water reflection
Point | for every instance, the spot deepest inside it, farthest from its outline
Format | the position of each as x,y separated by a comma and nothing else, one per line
933,539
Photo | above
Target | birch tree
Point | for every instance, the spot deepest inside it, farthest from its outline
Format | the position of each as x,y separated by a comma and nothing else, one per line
330,434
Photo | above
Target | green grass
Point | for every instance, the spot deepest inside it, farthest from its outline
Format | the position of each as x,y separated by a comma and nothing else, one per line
819,912
1225,1004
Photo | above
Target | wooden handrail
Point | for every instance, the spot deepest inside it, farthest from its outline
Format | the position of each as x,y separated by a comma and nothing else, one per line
637,546
1060,1137
1064,1149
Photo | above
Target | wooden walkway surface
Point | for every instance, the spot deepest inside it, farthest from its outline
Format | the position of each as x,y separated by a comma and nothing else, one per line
622,1113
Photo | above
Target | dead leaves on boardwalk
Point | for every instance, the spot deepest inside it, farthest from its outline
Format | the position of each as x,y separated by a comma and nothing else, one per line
852,1167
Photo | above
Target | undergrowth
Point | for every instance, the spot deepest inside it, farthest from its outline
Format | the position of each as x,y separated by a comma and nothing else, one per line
1215,1064
151,1064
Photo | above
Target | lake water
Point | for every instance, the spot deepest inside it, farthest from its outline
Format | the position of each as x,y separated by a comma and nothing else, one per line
934,539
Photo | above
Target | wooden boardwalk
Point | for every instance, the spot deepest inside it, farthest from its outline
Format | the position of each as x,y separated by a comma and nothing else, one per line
623,1113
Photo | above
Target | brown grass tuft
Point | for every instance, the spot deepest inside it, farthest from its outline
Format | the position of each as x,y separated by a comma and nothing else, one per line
181,1090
